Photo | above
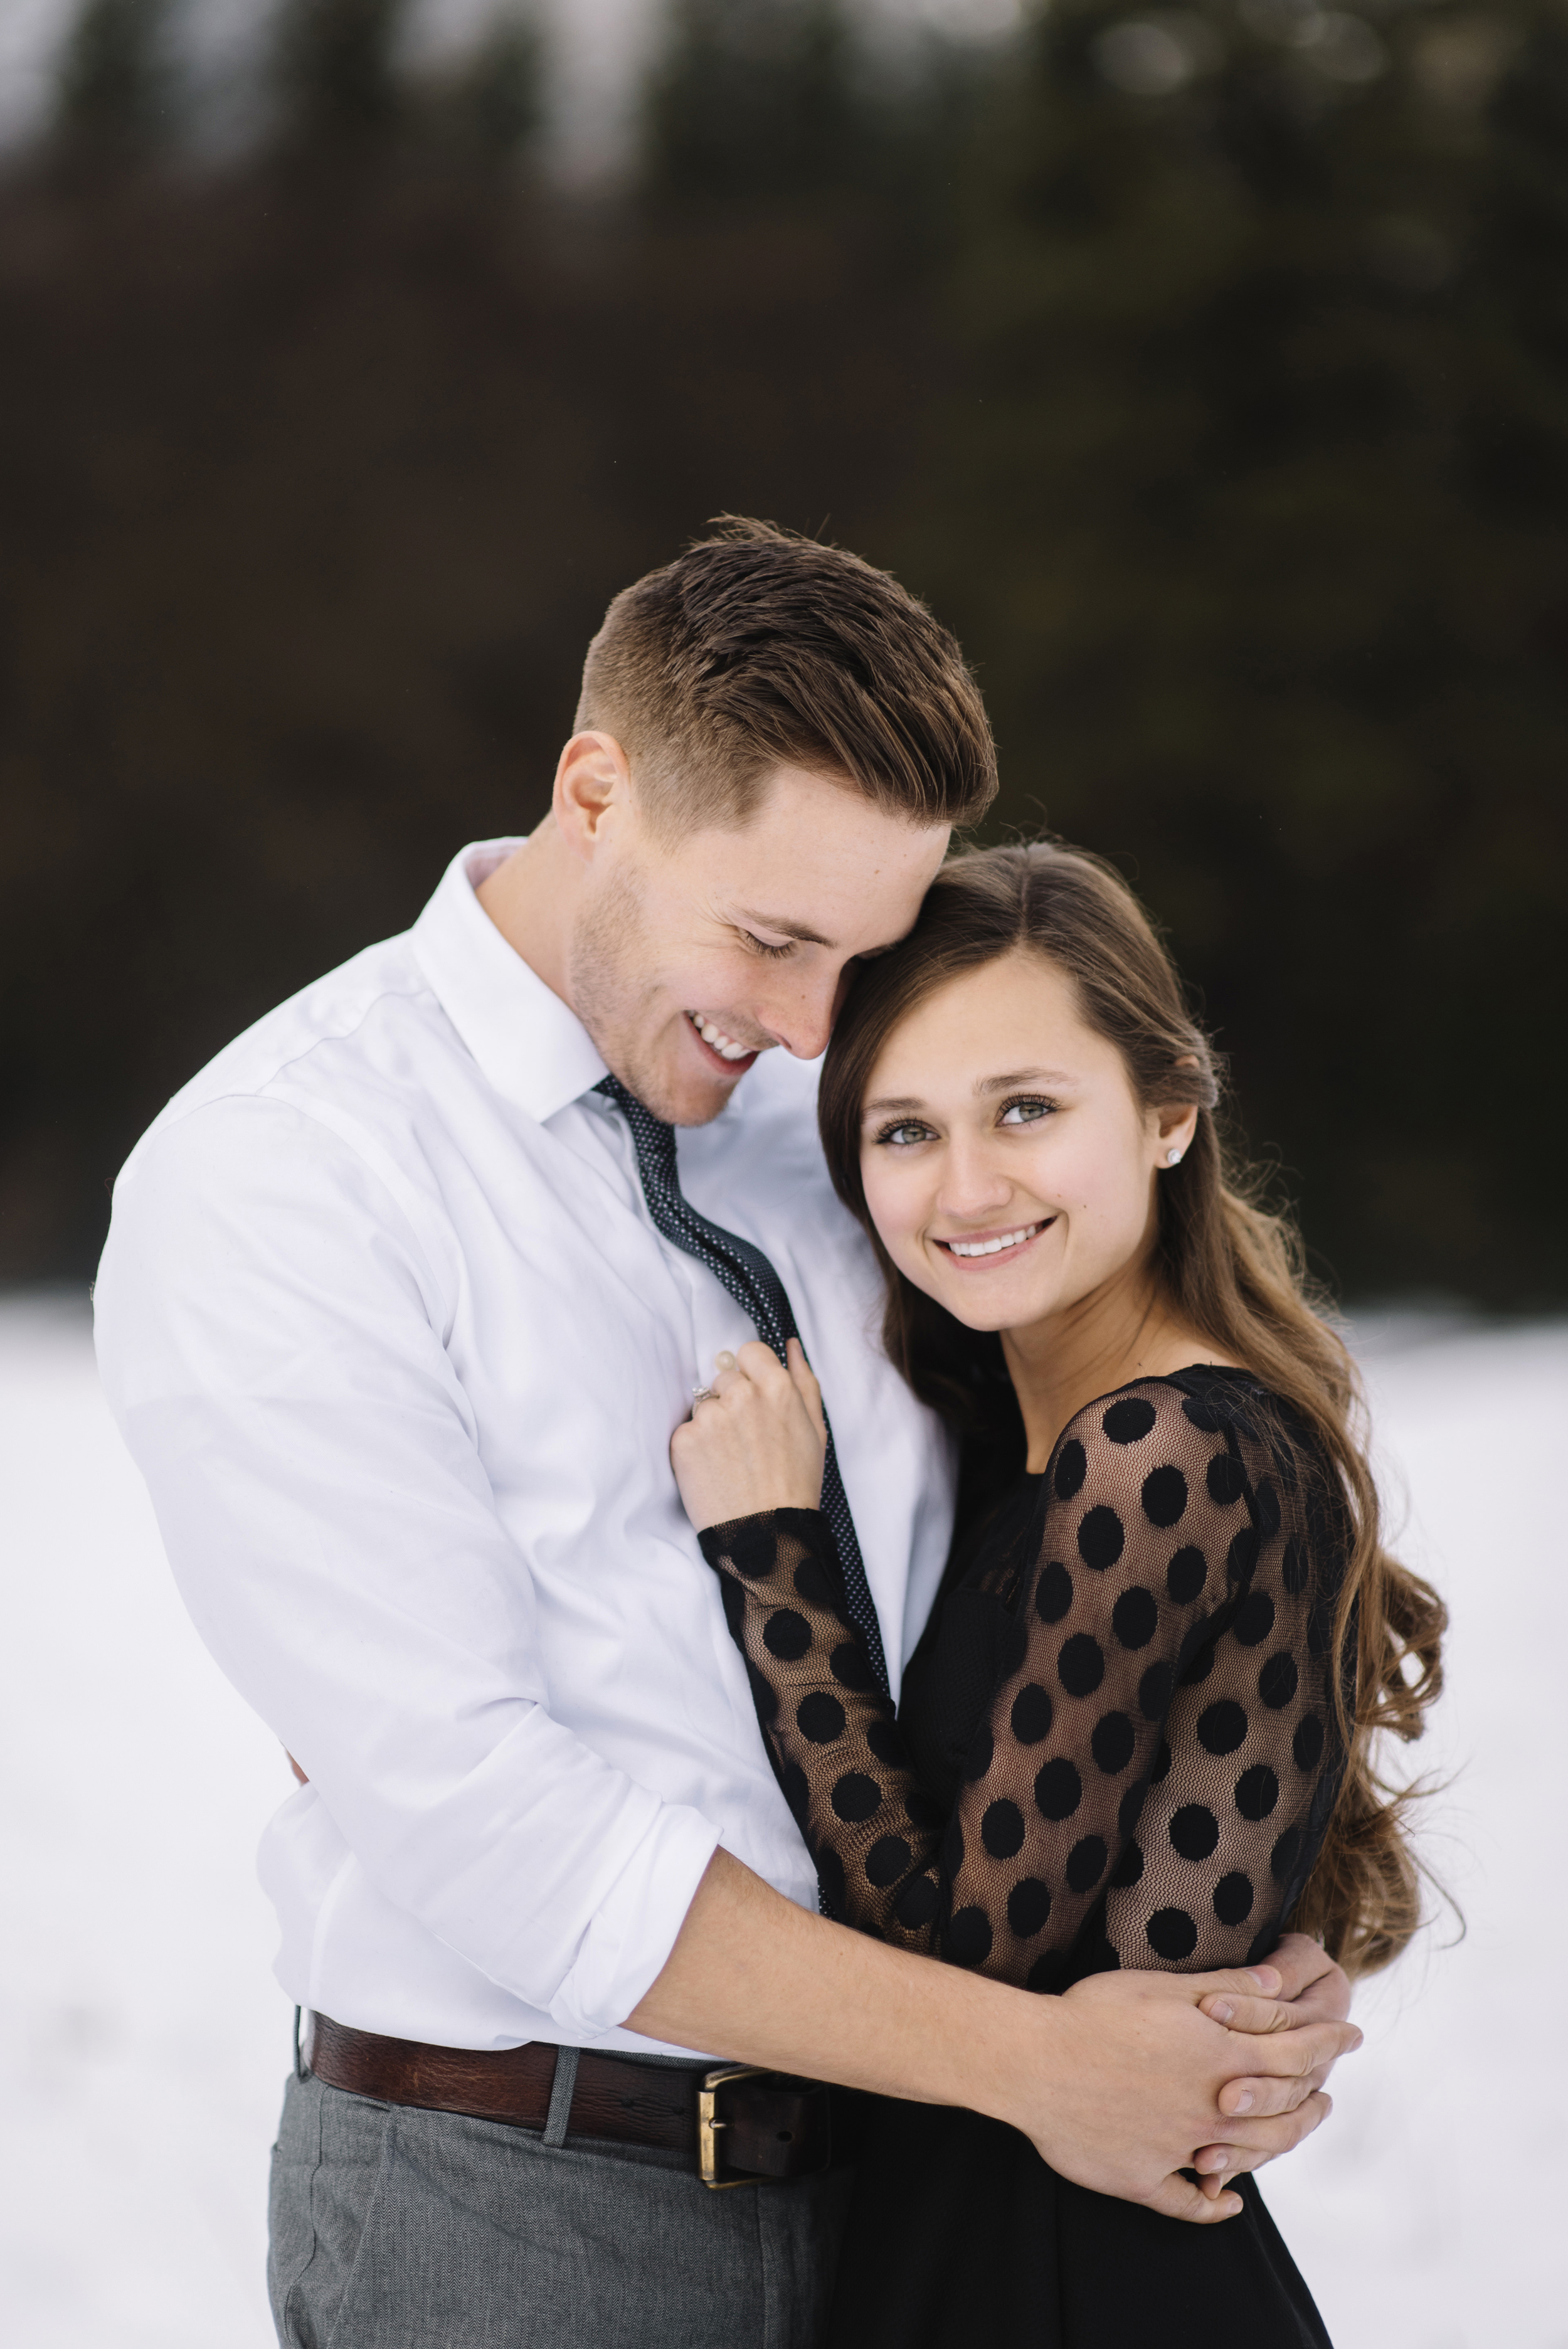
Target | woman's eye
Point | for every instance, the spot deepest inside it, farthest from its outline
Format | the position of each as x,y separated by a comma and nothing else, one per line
903,1136
1026,1113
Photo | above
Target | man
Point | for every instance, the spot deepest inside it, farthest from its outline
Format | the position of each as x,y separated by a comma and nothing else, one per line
404,1296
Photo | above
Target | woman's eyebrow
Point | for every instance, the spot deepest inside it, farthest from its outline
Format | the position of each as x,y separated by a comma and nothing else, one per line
1022,1077
904,1104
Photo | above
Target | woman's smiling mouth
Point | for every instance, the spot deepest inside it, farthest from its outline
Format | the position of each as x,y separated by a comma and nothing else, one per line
993,1244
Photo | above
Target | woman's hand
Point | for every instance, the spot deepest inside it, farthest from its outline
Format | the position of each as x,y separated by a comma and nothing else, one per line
756,1441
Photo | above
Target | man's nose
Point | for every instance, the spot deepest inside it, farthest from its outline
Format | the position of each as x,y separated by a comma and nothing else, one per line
801,1018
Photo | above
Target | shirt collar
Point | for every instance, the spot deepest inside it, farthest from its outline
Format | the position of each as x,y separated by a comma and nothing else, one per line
532,1048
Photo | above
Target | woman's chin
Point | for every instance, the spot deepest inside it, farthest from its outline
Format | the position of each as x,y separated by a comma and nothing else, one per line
993,1304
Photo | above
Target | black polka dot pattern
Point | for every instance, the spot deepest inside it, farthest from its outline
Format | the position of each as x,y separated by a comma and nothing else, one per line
1001,1829
1186,1574
856,1797
1164,1496
1072,1467
1059,1789
1028,1907
820,1718
1134,1617
787,1635
888,1859
1146,1783
1081,1664
1130,1422
1114,1742
1032,1714
1101,1539
1194,1831
1053,1592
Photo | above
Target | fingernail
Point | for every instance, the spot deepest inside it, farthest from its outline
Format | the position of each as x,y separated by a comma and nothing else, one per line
1224,2162
1222,2010
726,1362
1264,1977
1244,2101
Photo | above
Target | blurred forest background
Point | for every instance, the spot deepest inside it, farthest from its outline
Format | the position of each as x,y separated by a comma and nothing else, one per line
1206,368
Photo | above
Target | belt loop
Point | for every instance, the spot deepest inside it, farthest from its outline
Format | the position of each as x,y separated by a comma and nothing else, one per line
299,2064
560,2096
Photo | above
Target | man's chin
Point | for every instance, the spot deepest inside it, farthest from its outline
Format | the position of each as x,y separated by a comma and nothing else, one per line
679,1089
685,1099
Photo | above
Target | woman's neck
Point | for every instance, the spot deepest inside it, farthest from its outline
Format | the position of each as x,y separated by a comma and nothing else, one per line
1123,1332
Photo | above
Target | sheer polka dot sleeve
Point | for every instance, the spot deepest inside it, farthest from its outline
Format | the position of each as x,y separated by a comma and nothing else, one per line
1150,1782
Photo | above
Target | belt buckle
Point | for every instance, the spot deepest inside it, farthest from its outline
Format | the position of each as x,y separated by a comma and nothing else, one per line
710,2122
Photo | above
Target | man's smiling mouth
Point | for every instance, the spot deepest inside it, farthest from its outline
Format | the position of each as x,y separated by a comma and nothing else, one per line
717,1041
996,1242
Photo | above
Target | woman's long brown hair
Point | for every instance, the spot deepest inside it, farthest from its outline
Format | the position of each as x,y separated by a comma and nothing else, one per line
1231,1269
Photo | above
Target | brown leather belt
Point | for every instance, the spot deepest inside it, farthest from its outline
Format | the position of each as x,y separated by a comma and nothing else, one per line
737,2125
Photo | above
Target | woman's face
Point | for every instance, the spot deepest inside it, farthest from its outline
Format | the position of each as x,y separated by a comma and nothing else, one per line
1008,1166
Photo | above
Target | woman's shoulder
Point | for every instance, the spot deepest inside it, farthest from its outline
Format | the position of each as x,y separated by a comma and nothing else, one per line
1208,1399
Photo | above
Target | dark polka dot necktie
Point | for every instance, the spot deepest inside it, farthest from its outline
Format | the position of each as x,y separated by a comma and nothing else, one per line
751,1280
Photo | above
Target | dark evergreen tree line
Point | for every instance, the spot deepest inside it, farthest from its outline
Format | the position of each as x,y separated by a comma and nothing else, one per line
1207,367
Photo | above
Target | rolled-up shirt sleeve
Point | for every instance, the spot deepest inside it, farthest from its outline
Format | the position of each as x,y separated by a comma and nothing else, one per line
271,1337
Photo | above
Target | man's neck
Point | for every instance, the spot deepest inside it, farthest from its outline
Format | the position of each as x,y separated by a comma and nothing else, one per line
532,898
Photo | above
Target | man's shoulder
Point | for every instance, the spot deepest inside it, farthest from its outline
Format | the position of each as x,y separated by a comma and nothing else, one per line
312,1040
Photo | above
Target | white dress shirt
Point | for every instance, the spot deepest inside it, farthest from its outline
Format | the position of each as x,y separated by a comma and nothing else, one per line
386,1324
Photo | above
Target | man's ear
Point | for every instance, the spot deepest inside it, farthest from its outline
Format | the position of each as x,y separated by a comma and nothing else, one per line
592,789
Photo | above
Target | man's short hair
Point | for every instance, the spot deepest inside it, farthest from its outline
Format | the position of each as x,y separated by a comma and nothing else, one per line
756,649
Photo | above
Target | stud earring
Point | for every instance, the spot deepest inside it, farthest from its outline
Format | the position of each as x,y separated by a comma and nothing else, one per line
1173,1158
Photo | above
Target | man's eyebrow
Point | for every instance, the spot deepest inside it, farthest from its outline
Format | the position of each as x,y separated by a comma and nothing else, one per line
808,937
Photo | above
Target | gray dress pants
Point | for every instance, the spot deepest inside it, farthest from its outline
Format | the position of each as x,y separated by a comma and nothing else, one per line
394,2227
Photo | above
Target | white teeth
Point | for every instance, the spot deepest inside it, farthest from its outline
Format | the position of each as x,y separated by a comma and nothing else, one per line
717,1040
992,1247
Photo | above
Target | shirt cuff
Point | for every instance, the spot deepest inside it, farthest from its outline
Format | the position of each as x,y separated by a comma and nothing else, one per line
635,1926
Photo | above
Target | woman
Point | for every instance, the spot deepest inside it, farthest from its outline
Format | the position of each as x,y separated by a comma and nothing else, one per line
1138,1729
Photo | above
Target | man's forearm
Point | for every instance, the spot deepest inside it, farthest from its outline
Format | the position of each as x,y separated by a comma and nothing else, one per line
1118,2085
758,1978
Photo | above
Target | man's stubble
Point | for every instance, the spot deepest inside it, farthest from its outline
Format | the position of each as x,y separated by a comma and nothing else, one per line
608,972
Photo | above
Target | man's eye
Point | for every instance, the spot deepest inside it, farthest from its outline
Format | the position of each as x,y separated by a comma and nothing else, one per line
1026,1113
761,947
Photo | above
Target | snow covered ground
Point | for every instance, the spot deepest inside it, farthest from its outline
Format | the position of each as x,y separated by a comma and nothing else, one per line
144,2042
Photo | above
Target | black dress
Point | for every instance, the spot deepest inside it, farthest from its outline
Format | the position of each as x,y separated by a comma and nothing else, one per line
1117,1746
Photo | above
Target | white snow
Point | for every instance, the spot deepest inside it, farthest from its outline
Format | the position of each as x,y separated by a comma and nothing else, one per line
145,2043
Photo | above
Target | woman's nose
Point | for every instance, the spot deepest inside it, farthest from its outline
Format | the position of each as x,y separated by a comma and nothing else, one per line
972,1183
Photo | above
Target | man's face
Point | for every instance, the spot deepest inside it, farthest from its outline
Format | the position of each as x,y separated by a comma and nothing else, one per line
688,960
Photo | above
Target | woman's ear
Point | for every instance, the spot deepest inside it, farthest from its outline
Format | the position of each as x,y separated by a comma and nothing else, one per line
1174,1126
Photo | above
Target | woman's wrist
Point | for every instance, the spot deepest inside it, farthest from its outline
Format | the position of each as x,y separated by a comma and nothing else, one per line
794,1517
